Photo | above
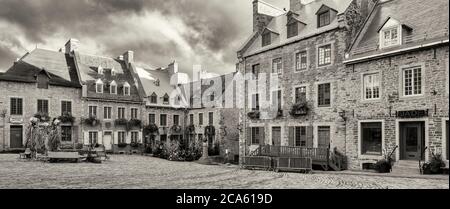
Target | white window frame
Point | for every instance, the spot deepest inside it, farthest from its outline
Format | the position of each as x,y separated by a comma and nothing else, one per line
136,133
71,105
131,113
307,61
300,86
202,117
173,119
167,118
390,29
211,122
110,115
331,94
124,112
316,133
154,114
402,80
282,66
89,137
295,135
100,70
363,89
332,58
126,86
282,97
96,110
124,137
282,136
10,105
383,144
99,83
113,86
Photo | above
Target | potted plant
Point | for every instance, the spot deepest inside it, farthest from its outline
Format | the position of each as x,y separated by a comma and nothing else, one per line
151,128
66,117
254,115
385,165
434,166
300,108
176,129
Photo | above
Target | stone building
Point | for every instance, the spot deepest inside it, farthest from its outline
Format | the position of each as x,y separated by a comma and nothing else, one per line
44,84
303,48
397,83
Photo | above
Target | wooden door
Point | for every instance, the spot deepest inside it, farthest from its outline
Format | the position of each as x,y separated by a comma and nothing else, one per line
276,136
16,137
412,140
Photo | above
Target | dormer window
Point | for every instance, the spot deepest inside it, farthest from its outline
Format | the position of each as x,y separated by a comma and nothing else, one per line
292,29
99,86
390,37
126,89
166,99
113,88
100,70
266,39
324,18
113,72
154,98
212,97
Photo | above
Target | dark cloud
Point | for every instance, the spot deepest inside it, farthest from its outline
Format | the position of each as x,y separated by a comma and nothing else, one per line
214,27
7,58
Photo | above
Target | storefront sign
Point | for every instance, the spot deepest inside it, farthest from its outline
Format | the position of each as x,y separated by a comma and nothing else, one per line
412,114
15,120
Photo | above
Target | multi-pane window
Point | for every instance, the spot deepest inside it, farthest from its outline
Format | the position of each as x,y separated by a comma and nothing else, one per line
371,86
134,113
152,118
390,37
292,30
107,112
277,99
126,90
200,119
266,39
92,111
42,106
301,61
412,81
191,119
300,136
324,95
324,19
371,138
255,102
300,94
256,71
99,87
66,133
176,120
325,55
134,137
121,137
256,136
154,98
66,107
277,65
211,118
16,106
324,133
163,120
93,137
166,99
121,113
113,89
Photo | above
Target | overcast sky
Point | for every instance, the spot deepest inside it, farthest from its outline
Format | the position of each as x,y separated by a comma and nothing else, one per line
206,32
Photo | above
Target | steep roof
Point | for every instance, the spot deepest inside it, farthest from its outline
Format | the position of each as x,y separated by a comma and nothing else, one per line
59,67
155,81
306,15
427,22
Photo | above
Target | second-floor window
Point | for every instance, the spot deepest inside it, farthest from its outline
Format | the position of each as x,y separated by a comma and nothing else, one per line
16,106
107,112
412,81
66,107
152,118
176,120
163,120
277,65
42,106
325,55
200,119
121,113
191,119
324,95
300,94
301,61
277,99
371,86
92,111
134,113
256,71
255,102
211,118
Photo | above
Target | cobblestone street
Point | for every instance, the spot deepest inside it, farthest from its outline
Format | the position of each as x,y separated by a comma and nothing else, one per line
140,172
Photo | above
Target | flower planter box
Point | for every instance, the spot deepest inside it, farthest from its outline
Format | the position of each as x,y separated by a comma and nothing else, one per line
122,145
255,115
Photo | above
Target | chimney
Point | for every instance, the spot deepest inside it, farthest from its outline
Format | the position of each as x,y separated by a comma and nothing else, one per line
173,68
128,57
72,45
263,14
296,5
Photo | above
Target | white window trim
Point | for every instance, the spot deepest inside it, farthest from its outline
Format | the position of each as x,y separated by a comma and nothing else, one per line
307,60
271,97
9,105
89,136
402,81
383,143
37,104
113,86
66,100
316,103
124,112
97,110
399,36
332,58
137,112
316,133
111,116
100,70
214,115
257,125
97,83
363,90
299,86
295,132
167,120
271,66
156,118
179,119
203,119
397,136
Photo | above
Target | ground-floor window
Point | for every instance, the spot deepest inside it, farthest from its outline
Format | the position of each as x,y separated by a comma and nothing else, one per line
66,133
371,138
446,139
134,137
93,137
324,134
121,137
255,135
300,136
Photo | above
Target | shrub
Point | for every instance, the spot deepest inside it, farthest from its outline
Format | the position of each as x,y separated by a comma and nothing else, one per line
122,145
43,117
434,166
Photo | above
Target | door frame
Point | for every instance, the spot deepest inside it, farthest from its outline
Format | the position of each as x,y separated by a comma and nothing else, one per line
283,142
271,134
444,141
23,135
316,134
112,138
397,136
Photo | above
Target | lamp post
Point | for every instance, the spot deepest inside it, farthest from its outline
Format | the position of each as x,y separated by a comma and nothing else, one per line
3,116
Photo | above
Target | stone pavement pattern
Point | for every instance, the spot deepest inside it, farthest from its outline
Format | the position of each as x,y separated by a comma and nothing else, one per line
141,172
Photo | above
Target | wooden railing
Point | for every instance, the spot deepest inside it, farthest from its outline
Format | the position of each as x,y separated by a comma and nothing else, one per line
316,154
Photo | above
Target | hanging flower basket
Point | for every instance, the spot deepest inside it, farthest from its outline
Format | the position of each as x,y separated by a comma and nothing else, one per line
300,109
176,129
66,118
92,121
254,115
43,117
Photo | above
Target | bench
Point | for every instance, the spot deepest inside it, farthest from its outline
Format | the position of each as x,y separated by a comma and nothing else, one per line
54,157
259,162
302,164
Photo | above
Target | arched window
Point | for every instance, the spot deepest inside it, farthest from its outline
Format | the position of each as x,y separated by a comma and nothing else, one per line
99,86
166,99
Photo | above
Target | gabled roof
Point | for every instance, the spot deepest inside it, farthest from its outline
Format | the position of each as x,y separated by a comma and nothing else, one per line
324,8
59,67
270,30
428,17
149,79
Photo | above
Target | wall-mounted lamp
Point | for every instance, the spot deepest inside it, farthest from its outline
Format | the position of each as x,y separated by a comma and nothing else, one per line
342,114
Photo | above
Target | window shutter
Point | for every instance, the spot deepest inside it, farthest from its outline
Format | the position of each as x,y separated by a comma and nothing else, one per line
75,133
310,136
291,136
248,139
86,137
262,135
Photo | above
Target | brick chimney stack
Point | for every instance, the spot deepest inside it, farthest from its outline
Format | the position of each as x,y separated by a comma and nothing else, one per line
128,57
263,13
72,45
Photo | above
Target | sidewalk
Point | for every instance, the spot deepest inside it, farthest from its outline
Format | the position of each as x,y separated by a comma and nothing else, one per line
391,175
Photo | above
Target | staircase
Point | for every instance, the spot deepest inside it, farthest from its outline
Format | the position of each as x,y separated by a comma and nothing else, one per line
406,167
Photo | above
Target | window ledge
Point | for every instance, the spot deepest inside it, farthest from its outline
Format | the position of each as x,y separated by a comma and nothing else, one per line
371,100
420,96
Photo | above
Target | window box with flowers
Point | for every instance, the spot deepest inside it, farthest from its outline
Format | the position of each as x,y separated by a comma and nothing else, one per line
135,144
121,122
300,109
151,129
66,117
176,129
43,117
254,115
92,121
135,123
122,145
